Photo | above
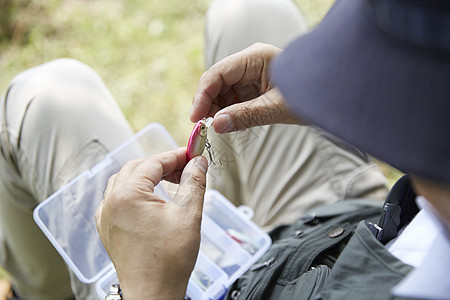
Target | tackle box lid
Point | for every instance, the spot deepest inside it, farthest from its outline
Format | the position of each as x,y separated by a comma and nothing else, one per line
67,216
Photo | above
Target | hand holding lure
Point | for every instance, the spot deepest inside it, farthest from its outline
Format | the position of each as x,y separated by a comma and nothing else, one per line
198,140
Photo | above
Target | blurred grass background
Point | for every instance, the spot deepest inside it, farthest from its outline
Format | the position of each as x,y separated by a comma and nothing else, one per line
148,52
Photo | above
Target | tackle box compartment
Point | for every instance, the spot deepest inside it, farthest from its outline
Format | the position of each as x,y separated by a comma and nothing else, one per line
230,242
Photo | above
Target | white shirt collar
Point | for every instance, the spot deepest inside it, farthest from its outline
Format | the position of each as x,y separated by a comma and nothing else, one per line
430,278
406,246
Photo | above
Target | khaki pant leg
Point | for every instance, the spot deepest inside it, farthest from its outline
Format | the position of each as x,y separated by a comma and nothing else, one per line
280,171
57,120
233,25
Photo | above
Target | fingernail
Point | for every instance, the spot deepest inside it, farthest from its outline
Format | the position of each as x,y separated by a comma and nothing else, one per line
200,161
223,123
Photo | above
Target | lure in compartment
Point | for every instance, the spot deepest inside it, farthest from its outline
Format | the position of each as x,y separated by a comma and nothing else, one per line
199,139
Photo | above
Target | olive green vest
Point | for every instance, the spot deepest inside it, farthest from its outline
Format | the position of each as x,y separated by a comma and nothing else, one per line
334,252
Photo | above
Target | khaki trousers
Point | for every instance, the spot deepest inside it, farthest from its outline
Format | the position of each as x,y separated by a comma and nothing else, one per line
280,171
59,119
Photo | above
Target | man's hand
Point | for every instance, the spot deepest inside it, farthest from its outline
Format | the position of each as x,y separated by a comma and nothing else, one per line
153,244
239,93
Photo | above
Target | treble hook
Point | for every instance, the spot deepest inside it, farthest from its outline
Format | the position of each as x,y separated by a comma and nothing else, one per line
211,154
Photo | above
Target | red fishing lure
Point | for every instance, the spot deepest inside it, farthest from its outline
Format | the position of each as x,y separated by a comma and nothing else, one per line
199,138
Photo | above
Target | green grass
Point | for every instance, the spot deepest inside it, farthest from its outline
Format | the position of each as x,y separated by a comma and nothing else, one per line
149,53
3,273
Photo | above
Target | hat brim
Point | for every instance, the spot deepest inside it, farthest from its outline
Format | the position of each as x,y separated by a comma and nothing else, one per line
383,95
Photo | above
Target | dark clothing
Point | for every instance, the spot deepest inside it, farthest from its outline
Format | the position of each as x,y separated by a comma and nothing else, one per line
334,253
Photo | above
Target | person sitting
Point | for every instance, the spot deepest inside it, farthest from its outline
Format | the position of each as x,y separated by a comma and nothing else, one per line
364,76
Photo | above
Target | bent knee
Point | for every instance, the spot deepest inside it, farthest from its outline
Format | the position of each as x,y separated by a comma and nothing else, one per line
233,25
52,92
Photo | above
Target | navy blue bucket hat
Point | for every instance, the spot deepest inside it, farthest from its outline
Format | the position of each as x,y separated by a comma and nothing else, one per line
376,73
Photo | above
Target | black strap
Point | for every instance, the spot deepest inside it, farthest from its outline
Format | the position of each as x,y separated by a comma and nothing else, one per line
398,210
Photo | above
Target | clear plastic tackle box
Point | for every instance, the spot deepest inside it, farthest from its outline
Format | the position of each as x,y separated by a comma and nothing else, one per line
230,242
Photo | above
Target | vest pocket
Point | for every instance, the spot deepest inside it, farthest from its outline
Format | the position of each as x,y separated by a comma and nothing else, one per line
307,286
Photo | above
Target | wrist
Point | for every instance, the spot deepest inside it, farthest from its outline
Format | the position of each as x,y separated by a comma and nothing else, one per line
152,289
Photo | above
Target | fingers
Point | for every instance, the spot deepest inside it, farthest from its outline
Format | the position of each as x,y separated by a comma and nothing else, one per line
238,92
242,74
191,190
109,186
266,109
153,169
106,194
131,214
214,89
143,175
174,177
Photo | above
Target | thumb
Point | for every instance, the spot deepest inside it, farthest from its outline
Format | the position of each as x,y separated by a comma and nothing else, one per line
191,190
266,109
